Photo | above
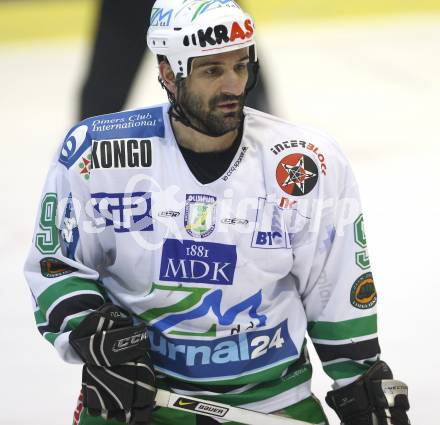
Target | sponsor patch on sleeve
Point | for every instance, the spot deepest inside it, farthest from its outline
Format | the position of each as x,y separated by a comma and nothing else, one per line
363,292
53,267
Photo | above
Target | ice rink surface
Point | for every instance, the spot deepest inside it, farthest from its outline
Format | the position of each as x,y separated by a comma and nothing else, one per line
374,84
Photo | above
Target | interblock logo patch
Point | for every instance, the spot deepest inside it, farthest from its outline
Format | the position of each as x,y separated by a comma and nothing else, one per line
126,212
297,174
198,262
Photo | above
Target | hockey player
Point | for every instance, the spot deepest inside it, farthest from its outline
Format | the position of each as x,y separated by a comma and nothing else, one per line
190,246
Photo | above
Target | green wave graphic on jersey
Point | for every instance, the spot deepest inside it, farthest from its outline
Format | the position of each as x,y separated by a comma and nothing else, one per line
193,307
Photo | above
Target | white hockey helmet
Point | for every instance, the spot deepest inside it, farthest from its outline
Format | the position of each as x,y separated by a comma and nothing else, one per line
184,29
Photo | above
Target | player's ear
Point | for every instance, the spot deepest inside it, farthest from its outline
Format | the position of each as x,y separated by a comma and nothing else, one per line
167,76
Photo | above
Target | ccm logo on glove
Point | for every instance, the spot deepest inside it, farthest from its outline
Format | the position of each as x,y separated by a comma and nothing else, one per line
118,375
129,342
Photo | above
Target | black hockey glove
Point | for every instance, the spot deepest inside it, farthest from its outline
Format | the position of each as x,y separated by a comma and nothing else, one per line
118,377
374,399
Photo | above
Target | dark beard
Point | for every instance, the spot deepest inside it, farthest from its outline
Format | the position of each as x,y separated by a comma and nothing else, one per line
212,120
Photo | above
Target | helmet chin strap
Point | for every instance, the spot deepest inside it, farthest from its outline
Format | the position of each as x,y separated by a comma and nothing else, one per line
177,112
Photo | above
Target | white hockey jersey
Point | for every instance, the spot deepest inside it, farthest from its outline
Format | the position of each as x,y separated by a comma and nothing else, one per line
228,275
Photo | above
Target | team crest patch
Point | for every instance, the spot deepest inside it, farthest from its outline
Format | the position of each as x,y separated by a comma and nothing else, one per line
297,174
52,267
363,293
200,215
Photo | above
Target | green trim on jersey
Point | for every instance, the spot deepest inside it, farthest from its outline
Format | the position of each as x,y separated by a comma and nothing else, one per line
346,369
268,374
39,317
64,287
71,324
60,290
343,330
262,391
308,410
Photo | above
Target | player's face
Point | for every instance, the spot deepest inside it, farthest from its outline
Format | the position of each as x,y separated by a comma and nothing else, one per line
213,94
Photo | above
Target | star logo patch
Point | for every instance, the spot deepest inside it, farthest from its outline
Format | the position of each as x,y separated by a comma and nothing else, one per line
84,166
297,174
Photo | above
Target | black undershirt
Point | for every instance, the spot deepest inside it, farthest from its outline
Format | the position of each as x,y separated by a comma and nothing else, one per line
209,166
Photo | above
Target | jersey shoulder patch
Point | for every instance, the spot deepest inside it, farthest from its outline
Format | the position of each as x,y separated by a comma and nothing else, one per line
75,144
137,123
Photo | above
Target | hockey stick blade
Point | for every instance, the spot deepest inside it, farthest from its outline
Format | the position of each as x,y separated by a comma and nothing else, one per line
220,411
